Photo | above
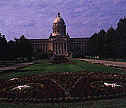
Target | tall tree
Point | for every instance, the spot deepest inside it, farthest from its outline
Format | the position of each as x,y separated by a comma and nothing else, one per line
3,46
109,44
24,47
92,45
100,42
96,44
11,49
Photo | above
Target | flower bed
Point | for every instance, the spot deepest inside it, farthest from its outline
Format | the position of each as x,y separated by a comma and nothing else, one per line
63,87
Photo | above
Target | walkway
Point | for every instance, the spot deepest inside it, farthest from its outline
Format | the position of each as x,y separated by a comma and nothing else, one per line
14,67
107,63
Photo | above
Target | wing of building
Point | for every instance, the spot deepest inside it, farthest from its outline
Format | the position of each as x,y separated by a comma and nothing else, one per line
60,43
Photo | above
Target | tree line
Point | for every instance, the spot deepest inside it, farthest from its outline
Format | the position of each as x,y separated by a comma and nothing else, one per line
17,48
110,44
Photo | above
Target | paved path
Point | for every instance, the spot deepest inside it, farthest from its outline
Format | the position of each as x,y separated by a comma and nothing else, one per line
107,63
14,67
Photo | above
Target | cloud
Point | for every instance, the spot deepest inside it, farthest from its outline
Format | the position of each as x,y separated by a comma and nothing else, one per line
34,18
116,1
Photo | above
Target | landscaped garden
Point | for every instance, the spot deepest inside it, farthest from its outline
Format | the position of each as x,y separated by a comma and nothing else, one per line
78,81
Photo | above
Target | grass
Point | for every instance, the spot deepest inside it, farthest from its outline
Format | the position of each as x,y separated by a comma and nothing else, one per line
110,103
76,66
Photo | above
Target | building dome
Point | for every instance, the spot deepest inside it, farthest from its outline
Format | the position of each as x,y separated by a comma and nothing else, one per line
59,27
59,19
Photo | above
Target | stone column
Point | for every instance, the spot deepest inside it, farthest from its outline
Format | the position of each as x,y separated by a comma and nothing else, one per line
60,48
45,48
53,47
63,47
56,48
66,47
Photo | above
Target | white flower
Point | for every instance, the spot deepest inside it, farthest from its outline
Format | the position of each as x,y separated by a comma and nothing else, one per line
13,79
21,87
113,85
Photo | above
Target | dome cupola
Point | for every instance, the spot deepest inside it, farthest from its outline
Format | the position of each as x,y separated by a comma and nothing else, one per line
59,19
59,26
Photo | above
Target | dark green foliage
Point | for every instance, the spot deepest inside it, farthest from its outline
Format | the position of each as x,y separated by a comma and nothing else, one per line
110,44
24,47
11,49
19,48
96,45
3,46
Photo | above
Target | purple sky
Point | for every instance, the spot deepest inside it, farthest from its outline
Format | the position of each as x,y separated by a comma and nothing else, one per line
34,18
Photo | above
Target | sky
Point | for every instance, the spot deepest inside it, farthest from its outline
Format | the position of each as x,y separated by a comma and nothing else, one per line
34,18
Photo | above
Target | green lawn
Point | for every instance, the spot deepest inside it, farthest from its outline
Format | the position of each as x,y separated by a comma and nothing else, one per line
76,66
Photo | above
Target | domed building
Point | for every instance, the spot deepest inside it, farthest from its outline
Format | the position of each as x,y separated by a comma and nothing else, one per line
59,41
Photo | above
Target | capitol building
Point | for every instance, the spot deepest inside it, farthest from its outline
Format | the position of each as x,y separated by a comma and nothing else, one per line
60,43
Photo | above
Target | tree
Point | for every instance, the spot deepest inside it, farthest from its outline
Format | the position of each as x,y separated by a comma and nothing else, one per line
24,47
92,47
11,49
109,44
100,43
3,46
96,44
121,37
